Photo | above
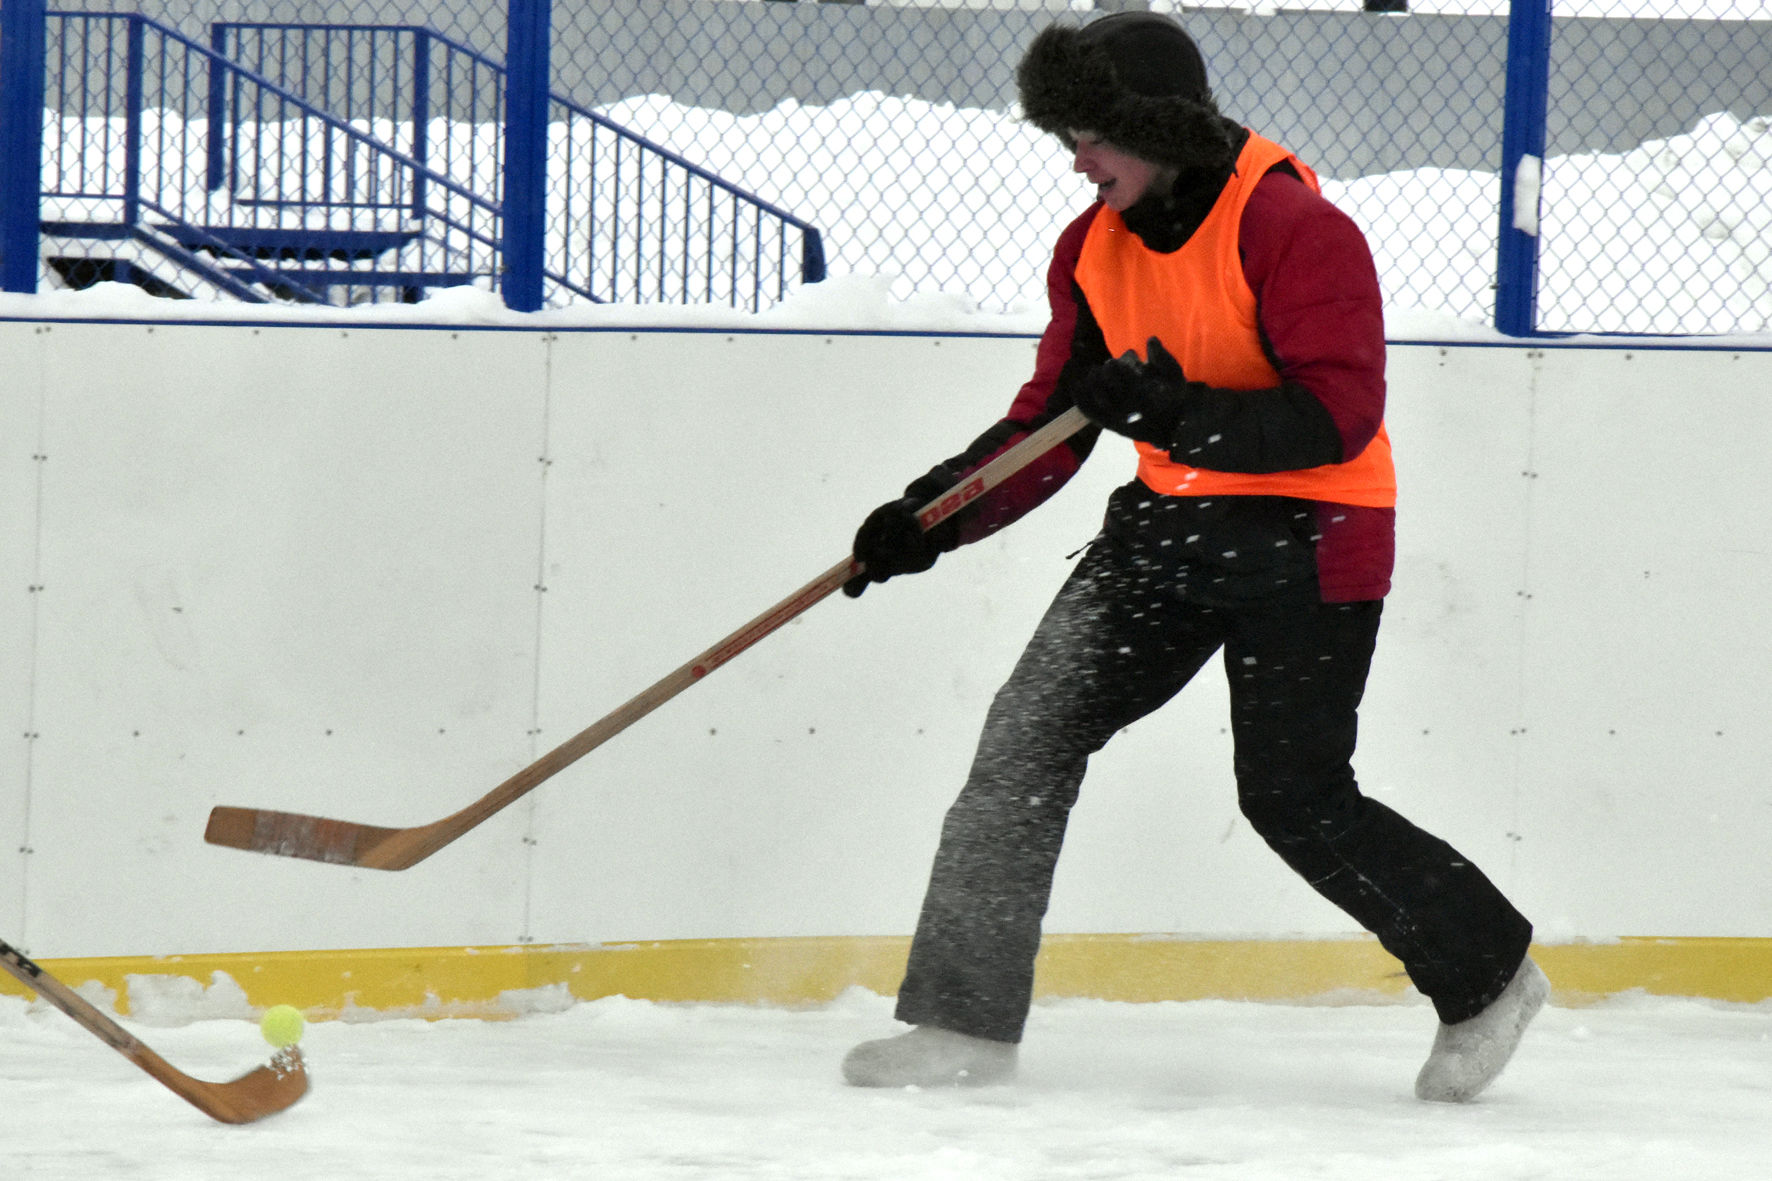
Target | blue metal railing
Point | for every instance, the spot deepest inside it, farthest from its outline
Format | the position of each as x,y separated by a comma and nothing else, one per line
121,84
650,225
625,218
363,76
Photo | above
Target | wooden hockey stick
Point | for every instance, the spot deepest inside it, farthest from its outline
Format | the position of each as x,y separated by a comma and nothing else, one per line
342,842
254,1095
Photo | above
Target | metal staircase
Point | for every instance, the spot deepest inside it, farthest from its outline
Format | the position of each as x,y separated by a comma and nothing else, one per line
340,164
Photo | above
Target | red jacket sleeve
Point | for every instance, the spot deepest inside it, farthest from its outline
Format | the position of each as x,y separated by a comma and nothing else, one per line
1322,319
1321,313
1038,402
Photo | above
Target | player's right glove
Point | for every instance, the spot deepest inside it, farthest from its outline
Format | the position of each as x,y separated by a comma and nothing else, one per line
1143,400
891,541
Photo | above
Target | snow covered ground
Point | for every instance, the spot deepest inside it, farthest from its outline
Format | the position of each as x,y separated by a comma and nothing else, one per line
1639,1089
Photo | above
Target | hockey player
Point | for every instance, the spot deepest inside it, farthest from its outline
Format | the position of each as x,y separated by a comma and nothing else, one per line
1212,307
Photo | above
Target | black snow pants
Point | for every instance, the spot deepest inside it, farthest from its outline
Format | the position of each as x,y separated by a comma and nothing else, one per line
1108,652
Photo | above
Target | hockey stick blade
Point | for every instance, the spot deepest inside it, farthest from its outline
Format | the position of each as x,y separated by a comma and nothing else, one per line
367,846
254,1095
290,834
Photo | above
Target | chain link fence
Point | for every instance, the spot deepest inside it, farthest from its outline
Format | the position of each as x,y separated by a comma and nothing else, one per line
890,130
1658,193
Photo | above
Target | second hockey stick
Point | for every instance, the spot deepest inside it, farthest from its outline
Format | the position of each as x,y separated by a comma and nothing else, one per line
254,1095
344,842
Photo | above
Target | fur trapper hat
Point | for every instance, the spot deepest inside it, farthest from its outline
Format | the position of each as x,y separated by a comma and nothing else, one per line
1137,80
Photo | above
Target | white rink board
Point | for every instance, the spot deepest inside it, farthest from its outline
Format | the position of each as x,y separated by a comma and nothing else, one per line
21,398
280,568
371,572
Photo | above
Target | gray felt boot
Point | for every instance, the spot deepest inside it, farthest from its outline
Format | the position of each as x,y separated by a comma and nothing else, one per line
928,1056
1468,1056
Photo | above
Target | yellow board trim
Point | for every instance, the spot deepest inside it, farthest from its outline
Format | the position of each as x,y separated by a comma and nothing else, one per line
487,982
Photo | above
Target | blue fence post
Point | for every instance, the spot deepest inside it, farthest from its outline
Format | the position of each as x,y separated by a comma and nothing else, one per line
134,57
218,109
421,113
23,45
526,152
812,268
1522,166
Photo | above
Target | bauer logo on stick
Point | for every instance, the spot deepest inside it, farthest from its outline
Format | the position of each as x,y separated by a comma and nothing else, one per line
953,502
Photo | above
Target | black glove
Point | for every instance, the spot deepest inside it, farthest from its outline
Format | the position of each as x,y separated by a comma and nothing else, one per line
890,541
1143,400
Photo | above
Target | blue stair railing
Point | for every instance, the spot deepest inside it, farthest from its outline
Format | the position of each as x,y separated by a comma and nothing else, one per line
628,219
131,165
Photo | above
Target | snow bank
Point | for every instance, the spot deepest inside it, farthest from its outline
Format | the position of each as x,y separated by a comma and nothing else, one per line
941,218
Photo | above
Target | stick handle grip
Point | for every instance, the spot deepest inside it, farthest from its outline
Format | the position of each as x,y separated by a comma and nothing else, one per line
1001,468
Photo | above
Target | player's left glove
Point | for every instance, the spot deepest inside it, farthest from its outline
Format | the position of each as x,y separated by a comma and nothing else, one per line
1143,400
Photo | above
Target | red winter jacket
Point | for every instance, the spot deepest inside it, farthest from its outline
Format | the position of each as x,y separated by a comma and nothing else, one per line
1321,321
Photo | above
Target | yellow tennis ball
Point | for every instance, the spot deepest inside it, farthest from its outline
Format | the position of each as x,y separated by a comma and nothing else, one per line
282,1025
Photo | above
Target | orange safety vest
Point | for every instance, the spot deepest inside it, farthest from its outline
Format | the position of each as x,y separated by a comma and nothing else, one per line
1197,301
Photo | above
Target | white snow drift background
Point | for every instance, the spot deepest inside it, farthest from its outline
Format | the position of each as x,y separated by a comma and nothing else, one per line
1673,236
1689,217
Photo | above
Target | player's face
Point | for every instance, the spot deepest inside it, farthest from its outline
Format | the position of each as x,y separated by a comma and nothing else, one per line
1119,177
